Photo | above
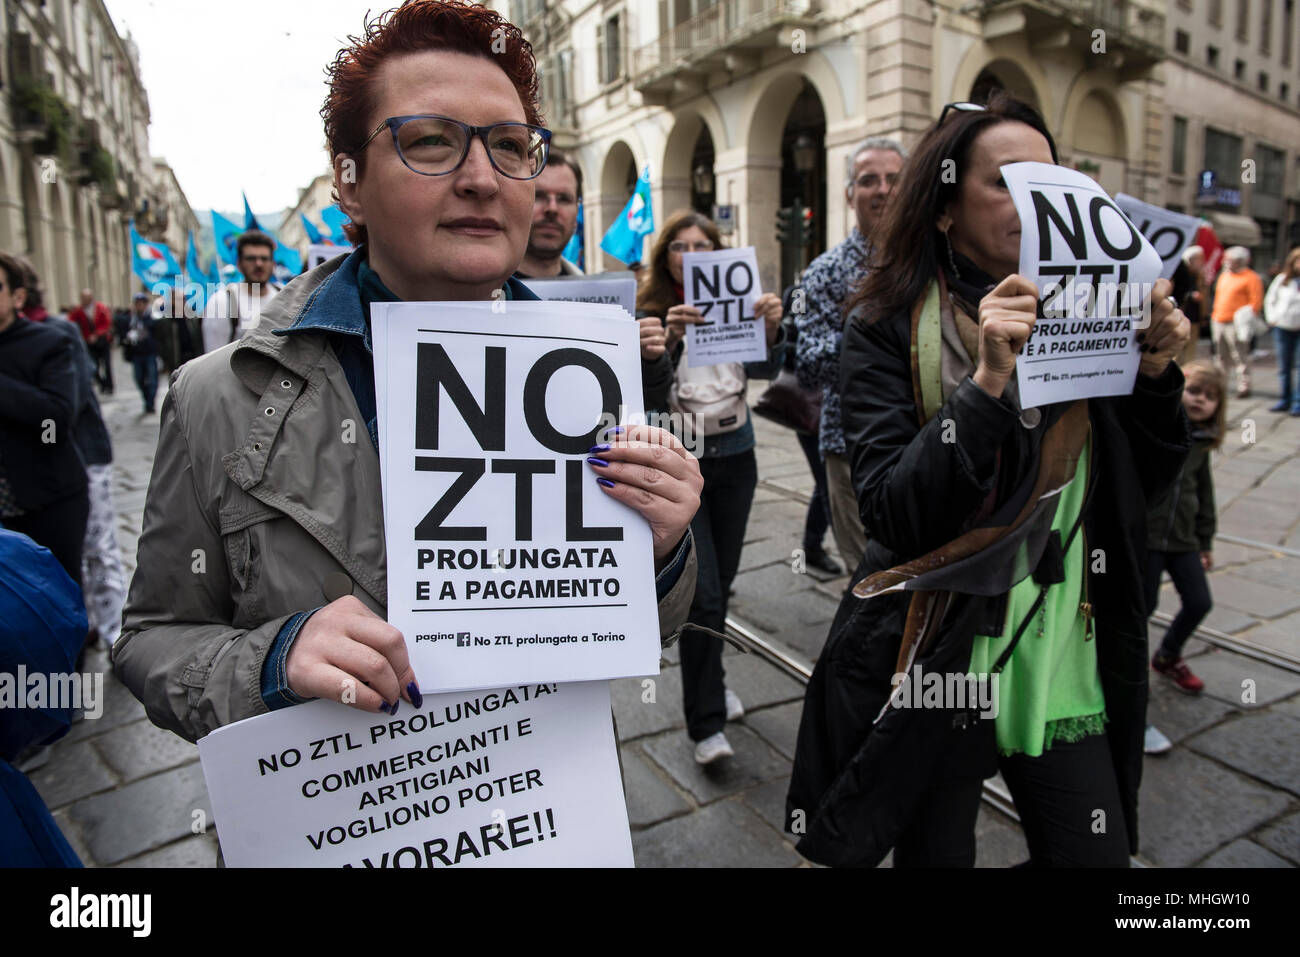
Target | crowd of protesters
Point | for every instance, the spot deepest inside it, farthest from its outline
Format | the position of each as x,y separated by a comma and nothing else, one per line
897,485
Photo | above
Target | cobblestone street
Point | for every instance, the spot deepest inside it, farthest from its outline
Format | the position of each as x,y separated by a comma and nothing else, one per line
128,794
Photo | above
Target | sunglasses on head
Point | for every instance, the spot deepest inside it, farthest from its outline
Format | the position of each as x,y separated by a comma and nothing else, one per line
961,107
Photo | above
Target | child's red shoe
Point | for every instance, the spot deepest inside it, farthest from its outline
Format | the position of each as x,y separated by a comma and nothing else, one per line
1176,670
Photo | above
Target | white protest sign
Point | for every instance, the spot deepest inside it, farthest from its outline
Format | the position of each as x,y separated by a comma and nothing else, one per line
723,285
611,288
518,777
507,563
1093,270
1168,232
318,253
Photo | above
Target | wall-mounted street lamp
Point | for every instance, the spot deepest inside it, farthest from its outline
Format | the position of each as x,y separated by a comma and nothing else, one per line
805,153
702,177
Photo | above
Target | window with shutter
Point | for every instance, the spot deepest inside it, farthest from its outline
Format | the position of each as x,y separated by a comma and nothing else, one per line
1288,28
24,57
601,72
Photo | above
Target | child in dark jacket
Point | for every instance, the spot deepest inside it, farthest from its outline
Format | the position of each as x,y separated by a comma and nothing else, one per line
1181,524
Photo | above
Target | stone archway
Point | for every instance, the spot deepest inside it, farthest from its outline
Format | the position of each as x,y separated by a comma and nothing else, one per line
1010,67
789,121
9,209
689,154
1008,76
1096,141
618,176
63,274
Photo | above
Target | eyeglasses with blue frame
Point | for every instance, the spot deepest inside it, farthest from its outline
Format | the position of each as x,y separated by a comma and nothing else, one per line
433,145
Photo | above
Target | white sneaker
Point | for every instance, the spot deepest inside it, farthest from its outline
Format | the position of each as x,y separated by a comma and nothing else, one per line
735,710
1154,742
713,747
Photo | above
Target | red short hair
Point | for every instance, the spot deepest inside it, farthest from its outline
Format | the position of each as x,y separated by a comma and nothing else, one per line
416,26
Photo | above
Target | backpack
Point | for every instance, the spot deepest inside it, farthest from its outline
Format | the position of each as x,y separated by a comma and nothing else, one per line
714,393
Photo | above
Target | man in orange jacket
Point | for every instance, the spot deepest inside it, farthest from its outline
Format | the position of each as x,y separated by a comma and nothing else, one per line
1238,288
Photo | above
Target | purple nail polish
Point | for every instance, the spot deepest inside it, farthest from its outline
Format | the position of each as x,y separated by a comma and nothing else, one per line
395,704
417,699
605,482
597,449
600,463
383,706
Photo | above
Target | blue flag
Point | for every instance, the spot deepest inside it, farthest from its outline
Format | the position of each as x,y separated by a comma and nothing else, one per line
334,218
250,221
227,236
152,262
288,263
313,234
196,274
623,240
193,271
573,251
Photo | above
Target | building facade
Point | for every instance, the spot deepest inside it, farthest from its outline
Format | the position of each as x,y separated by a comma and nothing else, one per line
1232,123
74,156
752,104
311,200
173,220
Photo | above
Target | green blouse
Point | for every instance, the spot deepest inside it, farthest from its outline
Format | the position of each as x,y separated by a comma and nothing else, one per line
1049,690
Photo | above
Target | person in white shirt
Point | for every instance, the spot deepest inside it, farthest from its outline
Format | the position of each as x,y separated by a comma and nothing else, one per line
237,307
1282,312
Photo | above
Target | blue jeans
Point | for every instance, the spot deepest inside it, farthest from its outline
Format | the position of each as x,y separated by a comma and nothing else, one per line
1287,344
146,378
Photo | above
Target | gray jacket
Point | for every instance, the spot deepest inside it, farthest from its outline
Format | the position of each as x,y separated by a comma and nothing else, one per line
258,508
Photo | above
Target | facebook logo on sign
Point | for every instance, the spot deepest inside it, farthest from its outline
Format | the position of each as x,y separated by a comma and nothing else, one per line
462,639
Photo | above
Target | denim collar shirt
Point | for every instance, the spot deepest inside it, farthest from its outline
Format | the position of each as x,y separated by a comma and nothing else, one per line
341,309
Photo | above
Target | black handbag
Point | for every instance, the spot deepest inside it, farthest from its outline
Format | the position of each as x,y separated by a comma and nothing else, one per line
787,403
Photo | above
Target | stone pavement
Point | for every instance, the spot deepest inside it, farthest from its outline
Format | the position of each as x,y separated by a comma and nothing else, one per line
1228,795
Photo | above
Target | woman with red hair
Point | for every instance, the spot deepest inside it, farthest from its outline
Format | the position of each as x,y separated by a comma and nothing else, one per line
261,574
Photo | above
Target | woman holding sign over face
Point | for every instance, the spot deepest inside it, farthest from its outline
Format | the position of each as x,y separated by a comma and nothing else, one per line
710,402
261,579
973,566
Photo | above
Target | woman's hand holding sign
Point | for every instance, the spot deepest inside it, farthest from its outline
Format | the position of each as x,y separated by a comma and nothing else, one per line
1165,337
678,318
653,337
768,308
345,652
651,471
1006,318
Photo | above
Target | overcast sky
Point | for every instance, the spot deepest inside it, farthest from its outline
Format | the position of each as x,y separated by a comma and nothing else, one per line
235,91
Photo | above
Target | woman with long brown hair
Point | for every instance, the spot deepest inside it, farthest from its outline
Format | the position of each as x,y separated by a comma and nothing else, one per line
1004,543
710,403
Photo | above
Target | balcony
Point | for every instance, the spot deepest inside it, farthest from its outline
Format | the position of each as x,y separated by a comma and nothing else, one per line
1134,33
728,36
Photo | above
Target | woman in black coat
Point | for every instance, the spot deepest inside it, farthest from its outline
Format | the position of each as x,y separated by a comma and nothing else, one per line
42,477
972,548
